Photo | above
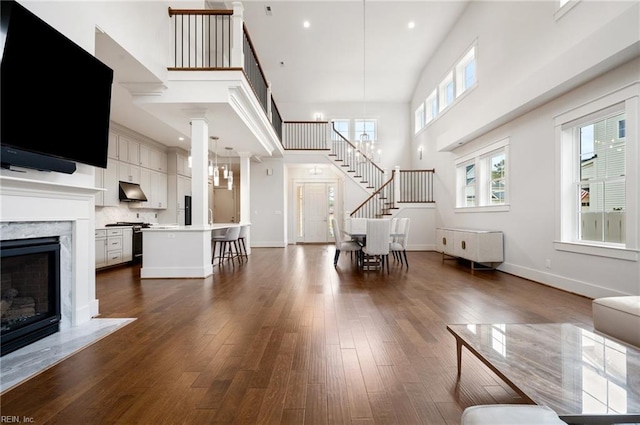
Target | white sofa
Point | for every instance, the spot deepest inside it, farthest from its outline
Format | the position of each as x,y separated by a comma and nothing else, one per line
618,317
510,414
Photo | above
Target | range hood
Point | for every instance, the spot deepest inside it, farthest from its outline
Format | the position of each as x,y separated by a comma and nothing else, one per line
131,192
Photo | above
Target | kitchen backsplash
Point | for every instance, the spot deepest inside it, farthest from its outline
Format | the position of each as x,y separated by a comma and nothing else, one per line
107,215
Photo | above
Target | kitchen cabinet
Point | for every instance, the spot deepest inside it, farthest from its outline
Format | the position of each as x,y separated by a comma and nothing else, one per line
154,186
153,159
112,151
128,172
107,178
182,165
127,244
128,150
114,245
477,246
101,248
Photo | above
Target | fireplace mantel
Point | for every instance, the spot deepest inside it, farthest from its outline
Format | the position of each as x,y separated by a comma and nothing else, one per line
24,203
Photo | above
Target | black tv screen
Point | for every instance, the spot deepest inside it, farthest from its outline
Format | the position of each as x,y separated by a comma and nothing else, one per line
56,96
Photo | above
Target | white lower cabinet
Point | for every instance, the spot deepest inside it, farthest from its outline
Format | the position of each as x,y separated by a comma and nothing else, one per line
101,248
114,245
477,246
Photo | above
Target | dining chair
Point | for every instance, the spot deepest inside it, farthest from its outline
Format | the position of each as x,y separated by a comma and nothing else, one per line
398,245
358,226
227,241
376,248
341,244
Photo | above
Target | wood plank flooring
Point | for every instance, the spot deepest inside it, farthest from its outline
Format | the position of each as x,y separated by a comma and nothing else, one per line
286,338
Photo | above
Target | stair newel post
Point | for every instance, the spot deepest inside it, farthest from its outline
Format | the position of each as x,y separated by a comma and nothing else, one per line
396,185
237,49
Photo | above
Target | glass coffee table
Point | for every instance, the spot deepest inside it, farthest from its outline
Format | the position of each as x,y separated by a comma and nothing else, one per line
585,377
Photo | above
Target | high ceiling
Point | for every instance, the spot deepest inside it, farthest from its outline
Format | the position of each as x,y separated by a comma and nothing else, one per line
352,51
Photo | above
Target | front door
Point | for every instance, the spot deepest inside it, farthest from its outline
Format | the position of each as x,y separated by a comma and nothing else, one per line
315,213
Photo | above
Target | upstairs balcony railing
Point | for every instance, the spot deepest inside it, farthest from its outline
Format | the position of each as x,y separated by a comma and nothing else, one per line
217,40
306,135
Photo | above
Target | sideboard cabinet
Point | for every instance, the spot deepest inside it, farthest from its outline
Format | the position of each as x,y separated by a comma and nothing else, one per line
478,246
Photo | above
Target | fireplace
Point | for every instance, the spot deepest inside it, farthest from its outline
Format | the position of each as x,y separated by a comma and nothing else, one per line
29,291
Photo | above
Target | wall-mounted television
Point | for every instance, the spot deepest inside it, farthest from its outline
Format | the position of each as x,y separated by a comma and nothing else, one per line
55,96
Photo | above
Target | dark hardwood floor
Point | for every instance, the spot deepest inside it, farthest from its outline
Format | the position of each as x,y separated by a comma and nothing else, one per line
286,338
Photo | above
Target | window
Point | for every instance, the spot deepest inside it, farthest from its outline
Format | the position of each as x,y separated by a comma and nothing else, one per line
601,180
446,93
432,106
598,171
365,126
482,177
419,118
466,72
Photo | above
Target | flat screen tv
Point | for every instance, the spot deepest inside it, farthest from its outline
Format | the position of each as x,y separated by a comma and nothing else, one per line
55,96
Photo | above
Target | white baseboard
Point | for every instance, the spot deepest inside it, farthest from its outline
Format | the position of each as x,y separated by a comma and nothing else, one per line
570,285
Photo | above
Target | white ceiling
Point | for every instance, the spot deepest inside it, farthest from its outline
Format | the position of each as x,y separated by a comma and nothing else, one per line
337,59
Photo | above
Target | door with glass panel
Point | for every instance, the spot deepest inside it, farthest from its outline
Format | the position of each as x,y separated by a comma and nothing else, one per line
315,210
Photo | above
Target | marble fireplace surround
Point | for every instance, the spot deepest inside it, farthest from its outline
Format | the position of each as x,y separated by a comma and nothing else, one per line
30,208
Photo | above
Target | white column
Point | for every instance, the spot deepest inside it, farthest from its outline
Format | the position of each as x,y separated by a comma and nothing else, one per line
199,164
237,36
245,194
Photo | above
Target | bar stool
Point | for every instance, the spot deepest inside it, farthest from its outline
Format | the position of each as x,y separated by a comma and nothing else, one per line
227,242
241,240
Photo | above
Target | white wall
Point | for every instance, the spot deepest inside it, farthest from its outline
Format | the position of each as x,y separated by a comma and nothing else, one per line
529,72
268,203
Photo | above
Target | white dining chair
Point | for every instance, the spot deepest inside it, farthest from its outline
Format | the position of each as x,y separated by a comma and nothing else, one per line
398,244
376,248
358,226
341,244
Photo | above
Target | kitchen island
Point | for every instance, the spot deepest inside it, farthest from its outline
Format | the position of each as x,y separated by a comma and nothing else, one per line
173,251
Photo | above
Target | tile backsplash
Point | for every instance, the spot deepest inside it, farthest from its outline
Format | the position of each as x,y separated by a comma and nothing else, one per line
106,215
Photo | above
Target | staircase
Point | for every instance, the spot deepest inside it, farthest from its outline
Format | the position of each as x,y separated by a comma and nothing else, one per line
386,189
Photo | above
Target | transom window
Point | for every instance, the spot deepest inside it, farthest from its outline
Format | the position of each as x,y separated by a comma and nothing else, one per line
460,79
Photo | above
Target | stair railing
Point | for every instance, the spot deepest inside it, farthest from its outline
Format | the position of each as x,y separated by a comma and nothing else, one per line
305,135
404,186
379,203
355,161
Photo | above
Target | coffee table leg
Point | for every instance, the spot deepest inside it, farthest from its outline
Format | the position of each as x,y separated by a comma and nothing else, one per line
459,355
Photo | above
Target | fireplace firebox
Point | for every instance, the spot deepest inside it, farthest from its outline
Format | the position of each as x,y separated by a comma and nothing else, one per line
29,291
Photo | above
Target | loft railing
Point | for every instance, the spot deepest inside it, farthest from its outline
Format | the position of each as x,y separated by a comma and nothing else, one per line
415,186
404,186
217,40
355,161
201,39
253,70
305,135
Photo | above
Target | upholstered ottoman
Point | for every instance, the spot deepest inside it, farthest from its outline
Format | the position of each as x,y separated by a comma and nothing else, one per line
618,317
510,414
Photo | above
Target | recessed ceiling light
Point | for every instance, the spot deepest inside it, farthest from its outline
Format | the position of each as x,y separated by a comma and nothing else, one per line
306,24
181,138
411,25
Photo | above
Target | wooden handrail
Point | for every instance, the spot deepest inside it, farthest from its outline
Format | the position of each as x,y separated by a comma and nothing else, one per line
199,12
354,147
393,173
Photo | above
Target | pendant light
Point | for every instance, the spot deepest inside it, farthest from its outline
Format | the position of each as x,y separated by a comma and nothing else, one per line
228,174
214,169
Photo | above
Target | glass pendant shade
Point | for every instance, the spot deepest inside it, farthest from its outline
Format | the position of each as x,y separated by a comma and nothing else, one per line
216,176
